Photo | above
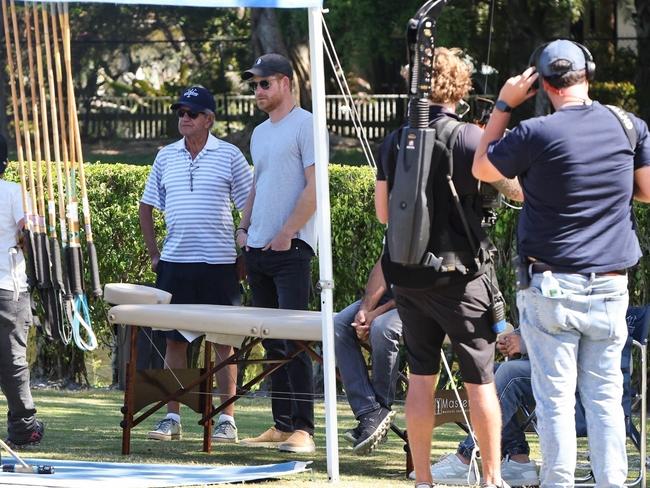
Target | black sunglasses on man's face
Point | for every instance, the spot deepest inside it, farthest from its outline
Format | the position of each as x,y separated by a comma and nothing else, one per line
263,84
192,115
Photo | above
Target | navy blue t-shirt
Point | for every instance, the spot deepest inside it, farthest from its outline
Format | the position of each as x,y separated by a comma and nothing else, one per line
576,168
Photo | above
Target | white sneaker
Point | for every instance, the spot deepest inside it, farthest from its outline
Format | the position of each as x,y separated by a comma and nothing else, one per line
519,474
225,431
166,430
450,470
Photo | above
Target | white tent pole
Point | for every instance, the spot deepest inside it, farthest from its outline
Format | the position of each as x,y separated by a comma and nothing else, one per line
323,220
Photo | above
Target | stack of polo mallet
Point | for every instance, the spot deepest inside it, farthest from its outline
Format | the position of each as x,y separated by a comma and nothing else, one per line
37,41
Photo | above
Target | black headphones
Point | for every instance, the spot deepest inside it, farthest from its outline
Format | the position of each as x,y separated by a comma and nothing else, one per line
590,65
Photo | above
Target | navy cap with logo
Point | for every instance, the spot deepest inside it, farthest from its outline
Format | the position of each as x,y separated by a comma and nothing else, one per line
269,64
560,50
197,99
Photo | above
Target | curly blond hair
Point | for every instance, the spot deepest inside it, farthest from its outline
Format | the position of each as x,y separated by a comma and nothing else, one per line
452,76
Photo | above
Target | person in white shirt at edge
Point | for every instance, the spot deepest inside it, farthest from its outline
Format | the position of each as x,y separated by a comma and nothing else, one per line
23,428
193,181
277,232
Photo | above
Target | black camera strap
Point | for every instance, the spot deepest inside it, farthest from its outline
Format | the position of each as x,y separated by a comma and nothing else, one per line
626,122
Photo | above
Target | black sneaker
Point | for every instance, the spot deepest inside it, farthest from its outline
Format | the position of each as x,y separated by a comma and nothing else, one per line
351,435
31,439
373,428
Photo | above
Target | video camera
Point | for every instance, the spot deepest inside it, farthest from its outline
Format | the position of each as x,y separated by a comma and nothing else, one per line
491,200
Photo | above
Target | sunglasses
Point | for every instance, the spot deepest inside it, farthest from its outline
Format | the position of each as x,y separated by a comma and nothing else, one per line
263,84
189,113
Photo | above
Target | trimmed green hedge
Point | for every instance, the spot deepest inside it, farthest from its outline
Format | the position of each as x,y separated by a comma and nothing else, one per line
115,191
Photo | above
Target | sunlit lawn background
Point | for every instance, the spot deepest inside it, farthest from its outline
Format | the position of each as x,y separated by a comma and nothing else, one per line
84,425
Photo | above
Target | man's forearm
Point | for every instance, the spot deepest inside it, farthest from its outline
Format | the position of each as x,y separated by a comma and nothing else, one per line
642,184
510,188
302,212
382,309
147,228
375,288
245,221
482,169
304,208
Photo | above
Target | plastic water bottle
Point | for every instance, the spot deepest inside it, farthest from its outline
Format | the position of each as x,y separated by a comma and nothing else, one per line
550,286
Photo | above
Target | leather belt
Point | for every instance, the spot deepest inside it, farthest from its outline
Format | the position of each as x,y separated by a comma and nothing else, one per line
539,267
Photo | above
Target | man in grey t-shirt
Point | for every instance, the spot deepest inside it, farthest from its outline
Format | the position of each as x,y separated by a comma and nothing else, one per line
278,235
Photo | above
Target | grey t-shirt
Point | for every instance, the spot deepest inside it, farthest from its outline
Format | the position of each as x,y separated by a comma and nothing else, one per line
281,151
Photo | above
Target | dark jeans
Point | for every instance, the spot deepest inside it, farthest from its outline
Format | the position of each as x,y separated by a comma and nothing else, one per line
282,279
15,320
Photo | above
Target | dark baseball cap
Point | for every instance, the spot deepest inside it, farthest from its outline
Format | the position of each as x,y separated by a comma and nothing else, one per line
560,50
197,99
269,64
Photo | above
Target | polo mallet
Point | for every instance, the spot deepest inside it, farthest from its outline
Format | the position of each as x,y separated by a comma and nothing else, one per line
74,124
58,281
81,312
22,466
28,232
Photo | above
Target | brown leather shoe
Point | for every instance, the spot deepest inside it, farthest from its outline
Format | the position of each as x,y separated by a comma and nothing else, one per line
270,438
299,442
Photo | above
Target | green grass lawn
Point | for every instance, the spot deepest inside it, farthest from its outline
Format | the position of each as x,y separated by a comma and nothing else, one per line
84,425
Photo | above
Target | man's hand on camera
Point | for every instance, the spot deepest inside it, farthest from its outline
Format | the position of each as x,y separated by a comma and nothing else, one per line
517,89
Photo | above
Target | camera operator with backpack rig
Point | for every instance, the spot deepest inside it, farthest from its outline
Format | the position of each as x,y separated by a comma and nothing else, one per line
452,290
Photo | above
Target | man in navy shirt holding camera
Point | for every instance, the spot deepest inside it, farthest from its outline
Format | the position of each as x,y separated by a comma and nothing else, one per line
579,169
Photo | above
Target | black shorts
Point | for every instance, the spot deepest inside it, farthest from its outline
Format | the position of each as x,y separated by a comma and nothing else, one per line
198,283
460,310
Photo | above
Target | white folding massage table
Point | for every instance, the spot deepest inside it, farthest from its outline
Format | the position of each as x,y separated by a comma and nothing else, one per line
242,327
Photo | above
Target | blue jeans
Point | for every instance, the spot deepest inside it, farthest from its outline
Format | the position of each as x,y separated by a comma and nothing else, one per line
512,382
364,394
576,340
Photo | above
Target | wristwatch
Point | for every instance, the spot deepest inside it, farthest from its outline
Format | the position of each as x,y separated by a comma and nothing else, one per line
502,106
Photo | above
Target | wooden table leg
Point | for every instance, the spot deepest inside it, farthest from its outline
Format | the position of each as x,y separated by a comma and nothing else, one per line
127,408
206,396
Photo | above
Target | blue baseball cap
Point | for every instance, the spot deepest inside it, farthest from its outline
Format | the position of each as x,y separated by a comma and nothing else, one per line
564,50
197,99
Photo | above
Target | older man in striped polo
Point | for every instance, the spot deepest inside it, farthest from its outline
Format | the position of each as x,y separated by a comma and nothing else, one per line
193,181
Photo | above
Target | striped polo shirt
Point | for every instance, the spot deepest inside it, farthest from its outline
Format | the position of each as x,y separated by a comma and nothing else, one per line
195,196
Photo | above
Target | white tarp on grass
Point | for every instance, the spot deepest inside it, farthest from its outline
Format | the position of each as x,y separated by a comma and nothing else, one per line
82,474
